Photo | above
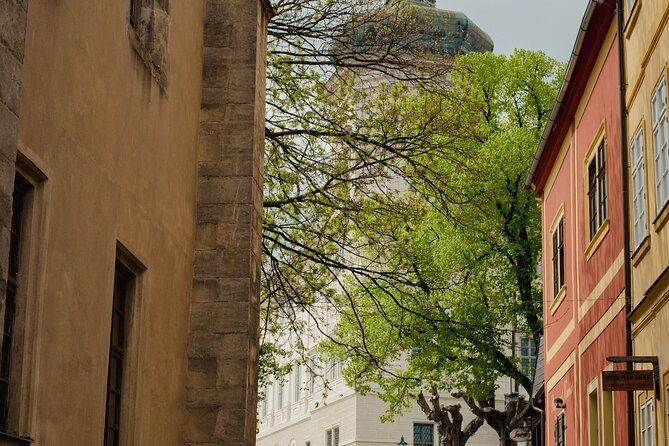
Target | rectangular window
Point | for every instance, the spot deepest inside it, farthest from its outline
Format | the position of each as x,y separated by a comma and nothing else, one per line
423,434
660,145
647,419
120,324
279,394
638,188
593,418
558,257
332,436
265,397
10,354
297,383
335,369
528,355
608,415
597,191
312,374
560,430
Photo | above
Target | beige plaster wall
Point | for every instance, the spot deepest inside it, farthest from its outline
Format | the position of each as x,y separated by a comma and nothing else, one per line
119,156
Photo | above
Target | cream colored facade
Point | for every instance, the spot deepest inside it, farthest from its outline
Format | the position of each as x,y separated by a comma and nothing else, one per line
305,421
647,59
140,136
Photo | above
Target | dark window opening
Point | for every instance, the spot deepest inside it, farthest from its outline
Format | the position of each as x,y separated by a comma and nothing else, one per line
560,430
423,434
123,279
597,192
558,257
21,189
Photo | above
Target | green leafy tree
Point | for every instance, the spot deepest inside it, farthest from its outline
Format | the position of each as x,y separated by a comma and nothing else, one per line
326,138
442,266
469,256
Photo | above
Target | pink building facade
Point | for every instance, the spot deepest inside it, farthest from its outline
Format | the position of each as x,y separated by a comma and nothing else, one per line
577,176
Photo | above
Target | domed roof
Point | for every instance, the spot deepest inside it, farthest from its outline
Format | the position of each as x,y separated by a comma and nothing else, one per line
452,31
436,30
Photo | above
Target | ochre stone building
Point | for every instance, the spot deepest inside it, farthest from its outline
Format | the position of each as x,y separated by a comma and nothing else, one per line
131,148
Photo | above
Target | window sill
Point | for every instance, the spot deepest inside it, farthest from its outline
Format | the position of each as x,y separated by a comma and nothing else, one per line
661,218
632,18
640,251
597,239
14,440
558,299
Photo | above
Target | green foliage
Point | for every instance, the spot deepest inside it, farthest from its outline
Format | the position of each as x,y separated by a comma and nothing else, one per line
393,194
470,249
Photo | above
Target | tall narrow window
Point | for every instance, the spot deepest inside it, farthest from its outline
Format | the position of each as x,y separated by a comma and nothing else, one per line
265,397
118,340
423,434
647,422
560,430
608,415
312,374
638,188
297,383
21,189
332,436
558,257
593,418
528,355
279,394
335,368
660,145
597,191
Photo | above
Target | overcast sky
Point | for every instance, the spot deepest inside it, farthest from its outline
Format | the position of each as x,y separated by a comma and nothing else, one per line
548,25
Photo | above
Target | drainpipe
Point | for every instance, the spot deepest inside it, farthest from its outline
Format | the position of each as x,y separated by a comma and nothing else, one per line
631,437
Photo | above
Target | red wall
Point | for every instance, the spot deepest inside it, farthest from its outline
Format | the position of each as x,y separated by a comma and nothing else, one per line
581,274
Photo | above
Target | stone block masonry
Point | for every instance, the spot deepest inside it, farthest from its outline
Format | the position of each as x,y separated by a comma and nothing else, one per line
221,390
12,42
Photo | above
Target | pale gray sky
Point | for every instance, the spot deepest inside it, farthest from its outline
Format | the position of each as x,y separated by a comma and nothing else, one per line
548,25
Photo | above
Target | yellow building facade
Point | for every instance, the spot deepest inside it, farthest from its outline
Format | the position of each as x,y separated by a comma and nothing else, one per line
646,37
131,175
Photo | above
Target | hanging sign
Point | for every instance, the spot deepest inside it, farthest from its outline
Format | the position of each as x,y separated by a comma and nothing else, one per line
520,434
622,380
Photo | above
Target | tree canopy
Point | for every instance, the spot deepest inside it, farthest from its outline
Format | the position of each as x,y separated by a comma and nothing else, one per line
470,260
394,195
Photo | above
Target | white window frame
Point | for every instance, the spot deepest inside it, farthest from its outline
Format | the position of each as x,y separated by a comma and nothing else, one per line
263,405
332,436
647,422
640,225
297,383
527,355
279,394
660,143
335,369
